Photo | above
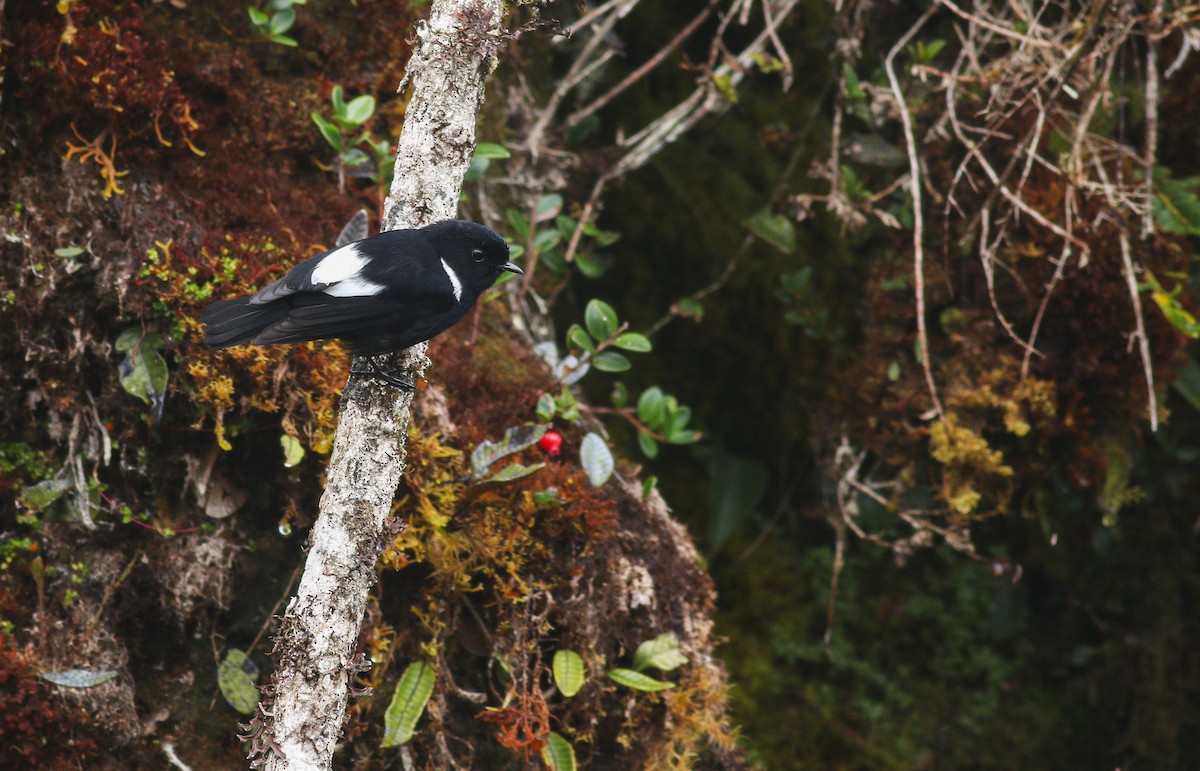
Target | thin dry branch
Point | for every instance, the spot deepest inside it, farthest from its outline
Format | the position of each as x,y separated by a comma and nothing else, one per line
914,167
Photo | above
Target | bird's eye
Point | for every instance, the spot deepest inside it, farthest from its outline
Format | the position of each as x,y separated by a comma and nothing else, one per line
477,254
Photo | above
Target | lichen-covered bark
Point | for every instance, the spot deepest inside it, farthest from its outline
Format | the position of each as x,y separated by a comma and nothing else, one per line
322,623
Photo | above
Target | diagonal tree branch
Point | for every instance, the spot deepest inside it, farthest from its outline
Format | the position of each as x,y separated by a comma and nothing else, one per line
455,52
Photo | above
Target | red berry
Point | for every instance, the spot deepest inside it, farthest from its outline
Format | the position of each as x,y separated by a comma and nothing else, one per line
551,443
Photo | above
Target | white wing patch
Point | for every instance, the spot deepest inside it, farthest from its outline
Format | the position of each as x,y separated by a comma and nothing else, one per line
454,282
341,271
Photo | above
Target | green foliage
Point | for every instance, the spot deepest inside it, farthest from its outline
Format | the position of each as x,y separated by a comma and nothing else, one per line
776,229
293,450
568,672
806,308
1175,205
272,26
596,459
558,754
344,132
661,653
144,372
661,418
515,439
546,233
631,678
237,678
408,703
737,488
1168,302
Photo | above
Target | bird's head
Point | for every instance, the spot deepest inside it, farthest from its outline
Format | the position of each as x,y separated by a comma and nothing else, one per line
477,253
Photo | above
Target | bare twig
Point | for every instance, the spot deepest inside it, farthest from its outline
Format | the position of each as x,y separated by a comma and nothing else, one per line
1139,334
914,165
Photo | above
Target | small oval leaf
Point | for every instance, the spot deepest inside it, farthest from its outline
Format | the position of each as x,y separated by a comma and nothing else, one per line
648,444
491,151
293,451
633,341
79,678
558,754
596,458
650,407
408,703
360,109
515,471
568,672
237,677
611,361
662,653
600,319
547,207
579,338
637,681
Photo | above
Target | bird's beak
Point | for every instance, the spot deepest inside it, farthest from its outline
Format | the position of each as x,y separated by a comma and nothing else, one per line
511,267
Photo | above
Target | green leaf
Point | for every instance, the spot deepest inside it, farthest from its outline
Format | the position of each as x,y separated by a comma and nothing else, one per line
237,677
610,361
737,486
679,418
516,438
546,239
284,40
360,109
282,21
520,225
515,471
491,151
577,337
82,678
1187,382
558,754
662,653
689,308
1175,204
596,458
893,372
44,493
68,251
590,265
776,229
568,672
684,437
293,451
648,485
546,407
329,131
600,319
476,169
651,407
648,444
637,681
354,157
258,18
408,703
547,207
633,341
338,102
144,372
619,395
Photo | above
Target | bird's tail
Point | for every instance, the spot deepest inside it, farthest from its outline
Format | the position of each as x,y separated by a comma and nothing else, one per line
230,322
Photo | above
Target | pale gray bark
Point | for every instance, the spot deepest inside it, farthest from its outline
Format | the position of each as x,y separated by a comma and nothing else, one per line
314,647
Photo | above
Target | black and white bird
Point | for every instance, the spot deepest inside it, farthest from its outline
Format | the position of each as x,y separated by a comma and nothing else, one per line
380,294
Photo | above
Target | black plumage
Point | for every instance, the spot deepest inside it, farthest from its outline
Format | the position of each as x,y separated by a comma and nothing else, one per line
379,294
